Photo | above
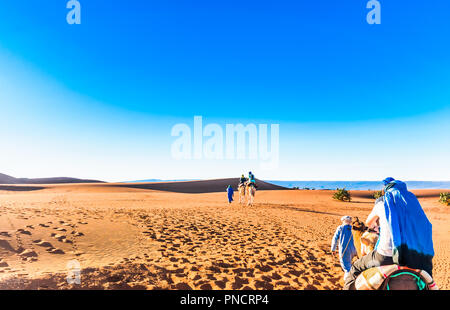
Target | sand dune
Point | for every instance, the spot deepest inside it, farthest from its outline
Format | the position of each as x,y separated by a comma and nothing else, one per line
132,238
6,179
204,186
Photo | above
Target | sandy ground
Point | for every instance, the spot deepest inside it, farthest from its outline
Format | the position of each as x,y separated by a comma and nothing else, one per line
125,238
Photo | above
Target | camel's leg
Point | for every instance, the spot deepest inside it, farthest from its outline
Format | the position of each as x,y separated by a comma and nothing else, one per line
357,241
251,195
241,195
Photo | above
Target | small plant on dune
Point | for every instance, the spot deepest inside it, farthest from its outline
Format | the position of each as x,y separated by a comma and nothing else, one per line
445,198
377,194
342,194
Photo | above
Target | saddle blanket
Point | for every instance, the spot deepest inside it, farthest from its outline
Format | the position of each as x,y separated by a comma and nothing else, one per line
373,278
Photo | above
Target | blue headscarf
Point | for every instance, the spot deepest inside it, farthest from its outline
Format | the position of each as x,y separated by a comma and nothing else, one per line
388,180
410,228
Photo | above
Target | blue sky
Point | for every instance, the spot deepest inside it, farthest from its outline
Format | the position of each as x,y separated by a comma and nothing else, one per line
98,100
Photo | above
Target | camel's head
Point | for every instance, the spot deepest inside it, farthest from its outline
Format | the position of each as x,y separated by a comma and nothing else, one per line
358,225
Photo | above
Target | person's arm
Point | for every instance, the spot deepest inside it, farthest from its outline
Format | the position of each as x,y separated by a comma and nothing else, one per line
336,236
373,216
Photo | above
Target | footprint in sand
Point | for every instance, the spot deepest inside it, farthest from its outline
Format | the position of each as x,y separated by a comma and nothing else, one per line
263,284
60,238
44,225
4,244
55,251
23,231
310,287
43,243
78,253
182,286
28,253
5,234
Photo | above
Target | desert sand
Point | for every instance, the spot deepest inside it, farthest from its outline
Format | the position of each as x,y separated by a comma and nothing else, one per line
139,238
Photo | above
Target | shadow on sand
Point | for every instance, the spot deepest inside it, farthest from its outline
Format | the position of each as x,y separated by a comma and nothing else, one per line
198,187
20,188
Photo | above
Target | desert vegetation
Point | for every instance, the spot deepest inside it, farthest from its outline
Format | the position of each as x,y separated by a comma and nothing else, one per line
444,198
342,194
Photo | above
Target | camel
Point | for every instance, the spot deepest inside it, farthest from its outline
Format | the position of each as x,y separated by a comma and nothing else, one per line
363,238
241,189
251,191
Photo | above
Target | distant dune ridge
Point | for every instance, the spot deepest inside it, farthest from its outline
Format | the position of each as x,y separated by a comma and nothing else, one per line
203,186
10,183
6,179
195,187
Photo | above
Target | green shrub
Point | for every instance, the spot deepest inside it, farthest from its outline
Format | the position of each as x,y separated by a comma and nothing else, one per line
377,194
342,194
445,198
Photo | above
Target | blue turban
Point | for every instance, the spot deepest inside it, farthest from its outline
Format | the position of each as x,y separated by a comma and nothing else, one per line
388,180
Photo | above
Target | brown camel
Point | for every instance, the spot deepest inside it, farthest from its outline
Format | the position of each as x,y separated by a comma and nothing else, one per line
363,238
241,189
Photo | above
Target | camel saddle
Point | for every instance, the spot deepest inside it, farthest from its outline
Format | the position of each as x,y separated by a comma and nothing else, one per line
395,277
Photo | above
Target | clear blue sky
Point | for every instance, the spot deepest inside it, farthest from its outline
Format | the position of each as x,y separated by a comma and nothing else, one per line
97,100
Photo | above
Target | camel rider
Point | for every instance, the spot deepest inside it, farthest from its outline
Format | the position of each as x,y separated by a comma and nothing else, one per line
400,218
242,180
251,179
